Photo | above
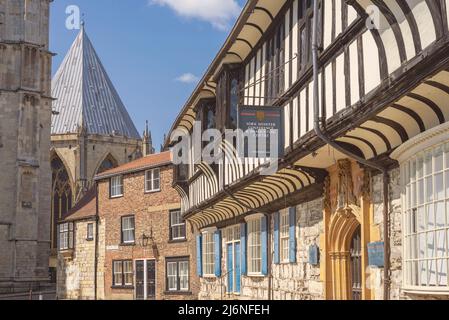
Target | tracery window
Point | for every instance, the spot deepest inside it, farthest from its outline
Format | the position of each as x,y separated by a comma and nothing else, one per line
62,195
108,163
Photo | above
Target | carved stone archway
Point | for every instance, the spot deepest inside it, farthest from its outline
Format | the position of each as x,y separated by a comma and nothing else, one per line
343,225
347,207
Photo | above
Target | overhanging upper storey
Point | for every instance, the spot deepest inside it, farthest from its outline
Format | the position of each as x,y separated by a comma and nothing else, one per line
383,79
257,16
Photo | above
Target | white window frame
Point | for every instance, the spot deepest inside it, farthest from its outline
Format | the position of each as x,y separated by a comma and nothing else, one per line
116,188
150,180
117,272
415,222
180,225
208,252
128,229
128,270
254,230
177,274
183,275
284,236
66,236
90,231
172,274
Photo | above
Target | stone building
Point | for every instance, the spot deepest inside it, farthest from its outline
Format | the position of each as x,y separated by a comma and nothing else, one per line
77,234
91,129
355,205
25,112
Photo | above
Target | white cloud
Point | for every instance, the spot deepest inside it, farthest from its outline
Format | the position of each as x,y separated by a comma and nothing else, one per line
219,13
187,78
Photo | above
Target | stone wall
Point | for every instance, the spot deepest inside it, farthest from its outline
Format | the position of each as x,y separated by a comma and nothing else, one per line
25,104
292,281
67,147
76,276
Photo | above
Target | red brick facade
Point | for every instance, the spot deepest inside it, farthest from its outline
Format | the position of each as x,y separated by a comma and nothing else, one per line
151,211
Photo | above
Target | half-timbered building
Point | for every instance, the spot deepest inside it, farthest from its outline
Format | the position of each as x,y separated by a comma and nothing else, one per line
358,207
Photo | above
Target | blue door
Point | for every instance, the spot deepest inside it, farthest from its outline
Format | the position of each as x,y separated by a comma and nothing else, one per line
233,267
238,272
230,267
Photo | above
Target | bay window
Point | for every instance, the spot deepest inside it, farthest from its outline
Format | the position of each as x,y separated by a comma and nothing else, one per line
426,218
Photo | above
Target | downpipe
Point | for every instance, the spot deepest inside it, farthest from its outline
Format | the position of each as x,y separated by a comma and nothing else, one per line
322,135
97,221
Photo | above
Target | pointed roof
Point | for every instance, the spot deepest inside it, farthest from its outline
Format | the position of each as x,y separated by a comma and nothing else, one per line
86,97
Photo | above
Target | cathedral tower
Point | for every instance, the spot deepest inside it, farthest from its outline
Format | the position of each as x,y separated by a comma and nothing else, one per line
25,115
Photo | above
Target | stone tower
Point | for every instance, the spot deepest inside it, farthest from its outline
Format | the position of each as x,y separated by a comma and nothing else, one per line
91,129
25,115
147,143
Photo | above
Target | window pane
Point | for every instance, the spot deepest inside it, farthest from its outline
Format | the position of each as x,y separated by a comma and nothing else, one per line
440,215
441,243
184,275
442,272
423,272
128,272
438,159
118,280
439,186
172,276
432,272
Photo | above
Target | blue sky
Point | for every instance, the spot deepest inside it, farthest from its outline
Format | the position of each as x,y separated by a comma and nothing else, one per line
153,50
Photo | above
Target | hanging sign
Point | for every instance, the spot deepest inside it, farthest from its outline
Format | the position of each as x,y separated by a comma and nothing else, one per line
376,254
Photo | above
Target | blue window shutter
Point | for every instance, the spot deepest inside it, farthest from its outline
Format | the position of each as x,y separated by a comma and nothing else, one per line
276,239
199,257
264,240
243,248
217,241
292,240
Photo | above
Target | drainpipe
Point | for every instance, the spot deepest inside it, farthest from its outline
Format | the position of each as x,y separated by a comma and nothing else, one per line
317,126
97,220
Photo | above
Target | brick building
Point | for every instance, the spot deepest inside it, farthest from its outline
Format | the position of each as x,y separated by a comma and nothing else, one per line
148,251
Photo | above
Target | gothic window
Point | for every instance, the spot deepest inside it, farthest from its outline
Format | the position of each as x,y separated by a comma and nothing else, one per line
61,193
107,164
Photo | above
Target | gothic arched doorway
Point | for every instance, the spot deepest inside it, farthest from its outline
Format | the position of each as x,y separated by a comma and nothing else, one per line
62,195
346,254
